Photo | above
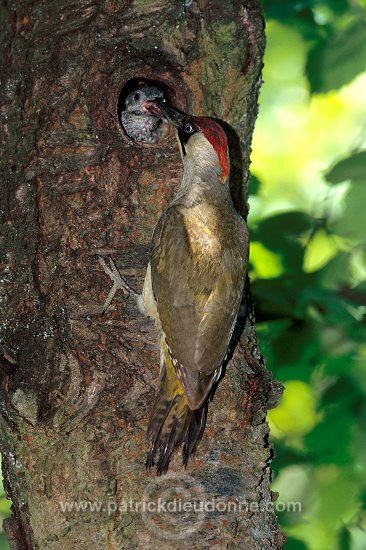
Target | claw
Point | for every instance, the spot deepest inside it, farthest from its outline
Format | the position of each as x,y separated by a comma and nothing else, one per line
118,281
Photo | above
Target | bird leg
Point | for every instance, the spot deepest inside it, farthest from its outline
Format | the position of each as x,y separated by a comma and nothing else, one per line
118,282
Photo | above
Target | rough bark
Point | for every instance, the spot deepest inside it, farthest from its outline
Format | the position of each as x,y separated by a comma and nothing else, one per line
77,386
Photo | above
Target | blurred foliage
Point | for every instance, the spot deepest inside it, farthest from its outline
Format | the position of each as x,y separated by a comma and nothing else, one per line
4,513
308,263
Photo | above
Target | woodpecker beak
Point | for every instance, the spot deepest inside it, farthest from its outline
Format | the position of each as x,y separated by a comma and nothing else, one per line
174,115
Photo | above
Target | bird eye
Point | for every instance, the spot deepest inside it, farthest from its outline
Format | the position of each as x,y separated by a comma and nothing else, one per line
136,97
188,128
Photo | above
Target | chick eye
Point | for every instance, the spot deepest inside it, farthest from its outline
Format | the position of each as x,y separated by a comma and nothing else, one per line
136,97
188,128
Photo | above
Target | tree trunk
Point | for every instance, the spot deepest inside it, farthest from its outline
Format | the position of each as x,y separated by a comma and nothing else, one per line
78,386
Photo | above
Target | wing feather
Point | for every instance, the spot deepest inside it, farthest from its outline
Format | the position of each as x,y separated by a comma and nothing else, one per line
198,291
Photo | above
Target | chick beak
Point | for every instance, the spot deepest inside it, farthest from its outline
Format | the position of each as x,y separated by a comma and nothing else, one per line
152,107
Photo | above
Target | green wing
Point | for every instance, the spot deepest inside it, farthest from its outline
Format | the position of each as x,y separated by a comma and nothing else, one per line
198,297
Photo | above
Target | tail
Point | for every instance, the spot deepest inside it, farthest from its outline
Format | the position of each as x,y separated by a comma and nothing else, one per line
172,422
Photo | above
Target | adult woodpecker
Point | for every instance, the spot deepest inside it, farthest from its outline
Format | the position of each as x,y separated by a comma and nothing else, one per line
140,123
193,286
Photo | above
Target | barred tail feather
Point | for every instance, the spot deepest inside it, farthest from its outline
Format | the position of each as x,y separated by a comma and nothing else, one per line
173,423
194,433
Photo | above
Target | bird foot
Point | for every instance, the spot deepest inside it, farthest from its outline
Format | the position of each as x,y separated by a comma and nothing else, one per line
118,281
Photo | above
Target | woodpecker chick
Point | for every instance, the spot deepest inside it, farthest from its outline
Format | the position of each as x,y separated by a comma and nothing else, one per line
193,286
139,122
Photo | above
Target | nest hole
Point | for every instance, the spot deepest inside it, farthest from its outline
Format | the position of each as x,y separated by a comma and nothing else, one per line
138,124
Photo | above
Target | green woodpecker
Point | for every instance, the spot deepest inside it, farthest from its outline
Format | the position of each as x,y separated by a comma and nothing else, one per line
193,286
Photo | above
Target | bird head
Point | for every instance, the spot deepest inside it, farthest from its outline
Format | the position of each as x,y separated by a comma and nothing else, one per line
139,101
202,140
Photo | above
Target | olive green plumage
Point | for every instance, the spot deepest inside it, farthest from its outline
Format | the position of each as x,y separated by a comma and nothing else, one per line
193,290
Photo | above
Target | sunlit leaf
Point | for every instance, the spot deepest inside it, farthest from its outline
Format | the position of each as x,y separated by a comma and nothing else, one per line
320,250
358,268
296,414
266,264
5,505
358,537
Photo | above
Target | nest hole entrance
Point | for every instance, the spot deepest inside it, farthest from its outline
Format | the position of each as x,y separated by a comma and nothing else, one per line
137,123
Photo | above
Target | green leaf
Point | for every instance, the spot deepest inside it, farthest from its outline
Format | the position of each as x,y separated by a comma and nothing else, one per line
298,348
254,185
4,544
281,233
282,227
352,168
266,264
296,414
330,441
334,62
352,224
344,539
343,394
321,249
299,8
294,544
5,505
337,272
285,8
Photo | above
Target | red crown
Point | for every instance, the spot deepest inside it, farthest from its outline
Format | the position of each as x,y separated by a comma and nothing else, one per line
217,137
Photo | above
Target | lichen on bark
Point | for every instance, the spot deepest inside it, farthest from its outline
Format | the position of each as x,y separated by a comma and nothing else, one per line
77,386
